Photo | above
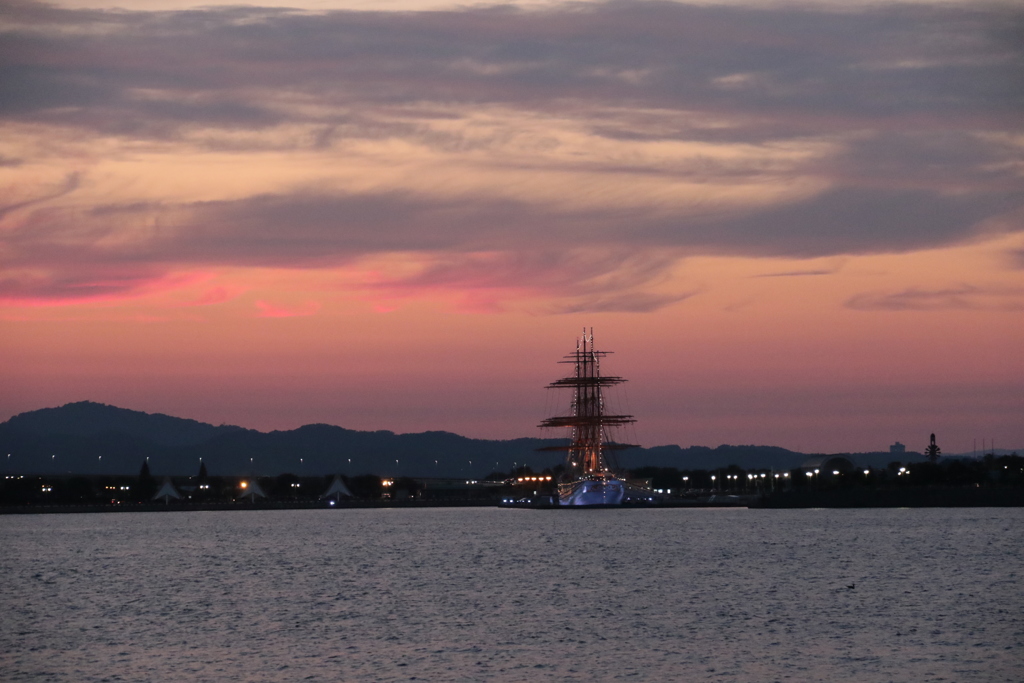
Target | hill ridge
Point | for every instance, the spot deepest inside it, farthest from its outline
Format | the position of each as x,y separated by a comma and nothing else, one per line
86,437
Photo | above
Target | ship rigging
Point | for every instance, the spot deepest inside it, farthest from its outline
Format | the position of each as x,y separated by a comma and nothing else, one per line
590,478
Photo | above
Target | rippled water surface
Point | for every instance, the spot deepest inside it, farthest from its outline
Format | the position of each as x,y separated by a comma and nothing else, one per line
514,595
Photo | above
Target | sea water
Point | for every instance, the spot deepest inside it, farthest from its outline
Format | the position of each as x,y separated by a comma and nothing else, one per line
487,594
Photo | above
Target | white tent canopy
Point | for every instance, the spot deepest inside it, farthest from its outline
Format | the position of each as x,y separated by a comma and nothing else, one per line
253,490
337,489
167,491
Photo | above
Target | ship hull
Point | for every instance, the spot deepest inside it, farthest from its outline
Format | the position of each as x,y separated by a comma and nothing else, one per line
591,492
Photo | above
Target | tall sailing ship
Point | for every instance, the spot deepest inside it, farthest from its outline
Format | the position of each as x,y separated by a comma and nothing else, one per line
590,478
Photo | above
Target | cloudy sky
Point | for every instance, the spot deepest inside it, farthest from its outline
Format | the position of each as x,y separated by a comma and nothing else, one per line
798,224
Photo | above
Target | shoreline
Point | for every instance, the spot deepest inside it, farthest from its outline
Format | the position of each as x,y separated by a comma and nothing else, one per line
993,497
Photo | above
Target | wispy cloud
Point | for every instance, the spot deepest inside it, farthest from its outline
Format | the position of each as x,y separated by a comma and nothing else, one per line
1017,258
797,273
84,285
622,302
578,279
962,297
69,184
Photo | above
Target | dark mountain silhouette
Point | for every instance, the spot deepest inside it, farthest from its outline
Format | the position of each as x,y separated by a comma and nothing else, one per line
86,418
93,438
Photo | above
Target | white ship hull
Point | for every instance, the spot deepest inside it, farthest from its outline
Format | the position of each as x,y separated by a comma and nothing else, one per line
591,492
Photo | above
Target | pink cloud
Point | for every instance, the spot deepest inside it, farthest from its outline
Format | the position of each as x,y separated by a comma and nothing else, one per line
269,310
216,295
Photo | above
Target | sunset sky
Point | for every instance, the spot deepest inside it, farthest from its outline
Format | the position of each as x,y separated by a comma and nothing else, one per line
796,224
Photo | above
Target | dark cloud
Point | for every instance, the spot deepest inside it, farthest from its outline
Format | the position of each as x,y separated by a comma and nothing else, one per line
822,68
771,73
917,102
846,221
308,230
292,230
798,273
286,230
942,160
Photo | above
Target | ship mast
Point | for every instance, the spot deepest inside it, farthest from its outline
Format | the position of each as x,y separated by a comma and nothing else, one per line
587,420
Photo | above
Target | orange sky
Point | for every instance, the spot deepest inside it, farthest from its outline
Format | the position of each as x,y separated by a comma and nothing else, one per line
792,228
